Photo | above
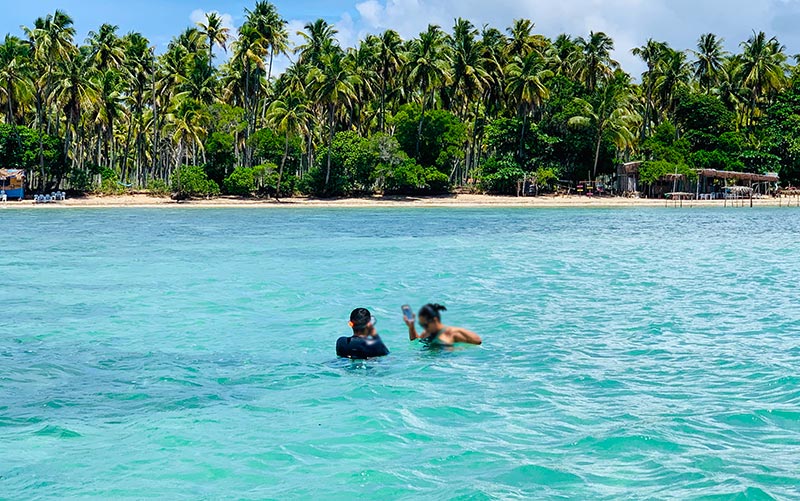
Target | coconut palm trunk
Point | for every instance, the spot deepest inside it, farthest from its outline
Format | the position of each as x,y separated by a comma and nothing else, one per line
283,163
330,143
597,152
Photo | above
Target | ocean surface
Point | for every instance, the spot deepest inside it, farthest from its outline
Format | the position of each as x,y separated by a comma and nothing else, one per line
189,354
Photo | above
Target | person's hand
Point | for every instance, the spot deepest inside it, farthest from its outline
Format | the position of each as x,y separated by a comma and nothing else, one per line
409,323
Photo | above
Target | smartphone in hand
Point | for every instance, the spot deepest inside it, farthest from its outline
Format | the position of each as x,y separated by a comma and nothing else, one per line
407,313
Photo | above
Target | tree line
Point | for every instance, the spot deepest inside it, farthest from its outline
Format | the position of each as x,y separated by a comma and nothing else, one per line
482,108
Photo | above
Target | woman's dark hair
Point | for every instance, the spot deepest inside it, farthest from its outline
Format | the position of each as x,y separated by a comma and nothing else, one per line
431,310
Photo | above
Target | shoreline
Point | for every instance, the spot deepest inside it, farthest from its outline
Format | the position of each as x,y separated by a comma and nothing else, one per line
464,201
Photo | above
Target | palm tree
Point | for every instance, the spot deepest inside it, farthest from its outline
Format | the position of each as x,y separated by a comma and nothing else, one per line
596,58
526,88
613,116
288,115
51,42
672,74
390,60
187,133
52,36
75,90
191,41
651,54
710,56
200,81
493,44
15,79
469,73
271,27
139,71
333,84
318,40
763,70
429,67
364,63
109,110
469,79
248,58
731,91
108,50
521,40
567,56
215,32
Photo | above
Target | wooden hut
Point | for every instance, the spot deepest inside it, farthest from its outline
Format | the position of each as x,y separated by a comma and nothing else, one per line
628,178
12,183
712,183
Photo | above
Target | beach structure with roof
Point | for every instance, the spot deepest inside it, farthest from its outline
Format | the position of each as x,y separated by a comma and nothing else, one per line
12,183
710,184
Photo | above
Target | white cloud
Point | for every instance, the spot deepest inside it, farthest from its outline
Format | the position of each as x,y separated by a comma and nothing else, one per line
629,22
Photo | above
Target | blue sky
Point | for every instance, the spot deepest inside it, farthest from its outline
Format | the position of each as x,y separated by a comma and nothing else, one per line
630,22
158,20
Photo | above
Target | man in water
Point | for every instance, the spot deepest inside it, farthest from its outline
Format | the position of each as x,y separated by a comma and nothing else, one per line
365,342
430,318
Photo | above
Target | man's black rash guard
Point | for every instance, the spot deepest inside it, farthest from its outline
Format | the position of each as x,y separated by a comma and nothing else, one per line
361,348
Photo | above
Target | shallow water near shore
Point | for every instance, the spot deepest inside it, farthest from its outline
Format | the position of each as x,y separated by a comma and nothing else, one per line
184,354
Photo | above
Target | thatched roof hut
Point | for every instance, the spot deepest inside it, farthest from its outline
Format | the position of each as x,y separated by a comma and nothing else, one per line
738,176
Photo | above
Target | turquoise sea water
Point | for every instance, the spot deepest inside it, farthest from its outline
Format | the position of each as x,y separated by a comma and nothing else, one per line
189,354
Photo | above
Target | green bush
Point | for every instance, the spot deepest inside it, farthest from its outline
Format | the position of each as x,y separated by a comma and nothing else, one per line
546,176
241,182
109,183
19,148
715,159
192,181
504,181
409,178
270,181
262,179
158,187
110,187
353,161
442,139
435,181
80,180
220,155
760,162
501,174
313,183
662,145
653,171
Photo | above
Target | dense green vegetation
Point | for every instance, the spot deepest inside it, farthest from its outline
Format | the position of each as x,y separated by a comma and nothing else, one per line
479,108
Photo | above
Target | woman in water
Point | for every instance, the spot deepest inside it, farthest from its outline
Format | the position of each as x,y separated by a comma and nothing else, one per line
430,318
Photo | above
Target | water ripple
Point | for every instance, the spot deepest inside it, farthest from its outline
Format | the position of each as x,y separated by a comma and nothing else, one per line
630,354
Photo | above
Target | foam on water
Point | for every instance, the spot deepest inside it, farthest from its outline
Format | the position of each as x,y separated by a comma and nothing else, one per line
189,354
